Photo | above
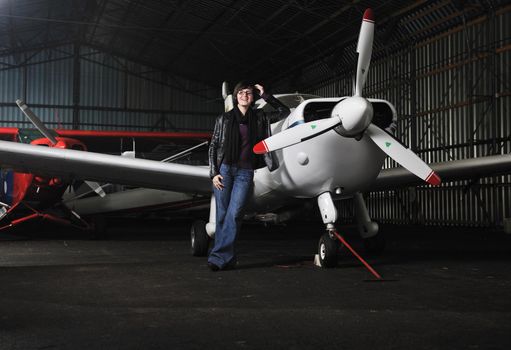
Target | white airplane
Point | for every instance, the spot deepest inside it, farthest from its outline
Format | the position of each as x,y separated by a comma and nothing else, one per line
327,148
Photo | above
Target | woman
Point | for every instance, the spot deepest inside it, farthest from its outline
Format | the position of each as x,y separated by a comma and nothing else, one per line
232,164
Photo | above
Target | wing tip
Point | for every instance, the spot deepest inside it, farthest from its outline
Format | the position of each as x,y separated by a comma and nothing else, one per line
433,179
260,148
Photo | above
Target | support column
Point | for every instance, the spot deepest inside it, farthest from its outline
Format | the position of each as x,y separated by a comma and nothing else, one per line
76,86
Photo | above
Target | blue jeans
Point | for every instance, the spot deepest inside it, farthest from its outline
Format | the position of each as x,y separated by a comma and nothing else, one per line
230,201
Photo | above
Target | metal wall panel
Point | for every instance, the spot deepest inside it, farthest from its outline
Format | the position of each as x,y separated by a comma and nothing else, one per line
11,79
11,116
117,120
50,83
113,91
101,81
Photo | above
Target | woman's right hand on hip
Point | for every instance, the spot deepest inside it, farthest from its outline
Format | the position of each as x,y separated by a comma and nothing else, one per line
217,182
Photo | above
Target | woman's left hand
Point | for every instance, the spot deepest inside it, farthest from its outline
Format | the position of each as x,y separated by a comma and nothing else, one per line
260,88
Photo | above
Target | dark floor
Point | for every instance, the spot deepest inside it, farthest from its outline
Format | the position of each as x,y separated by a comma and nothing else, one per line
140,289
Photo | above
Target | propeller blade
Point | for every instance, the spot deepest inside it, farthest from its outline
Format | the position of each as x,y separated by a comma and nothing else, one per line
36,121
404,156
364,49
297,134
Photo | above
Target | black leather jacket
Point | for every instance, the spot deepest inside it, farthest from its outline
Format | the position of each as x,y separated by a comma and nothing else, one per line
217,144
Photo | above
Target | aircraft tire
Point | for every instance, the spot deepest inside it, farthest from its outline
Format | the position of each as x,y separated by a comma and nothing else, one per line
327,251
199,238
375,245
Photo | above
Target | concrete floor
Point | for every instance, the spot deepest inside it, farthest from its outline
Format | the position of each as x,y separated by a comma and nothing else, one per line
140,289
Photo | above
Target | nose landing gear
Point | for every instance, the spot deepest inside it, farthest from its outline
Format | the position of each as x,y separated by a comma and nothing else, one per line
328,248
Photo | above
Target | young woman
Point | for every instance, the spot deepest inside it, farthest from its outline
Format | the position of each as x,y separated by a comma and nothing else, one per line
232,164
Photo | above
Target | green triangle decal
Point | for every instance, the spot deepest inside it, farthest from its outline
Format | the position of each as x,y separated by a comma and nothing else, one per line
313,126
387,144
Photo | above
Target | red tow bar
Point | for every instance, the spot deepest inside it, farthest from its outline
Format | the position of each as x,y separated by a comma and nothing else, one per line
365,263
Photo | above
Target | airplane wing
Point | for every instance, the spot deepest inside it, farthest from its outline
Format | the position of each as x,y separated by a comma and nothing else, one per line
71,164
466,169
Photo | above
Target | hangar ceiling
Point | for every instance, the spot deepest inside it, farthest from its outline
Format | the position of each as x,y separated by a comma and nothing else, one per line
215,40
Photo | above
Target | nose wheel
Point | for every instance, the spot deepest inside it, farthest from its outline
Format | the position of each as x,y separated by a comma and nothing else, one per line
328,251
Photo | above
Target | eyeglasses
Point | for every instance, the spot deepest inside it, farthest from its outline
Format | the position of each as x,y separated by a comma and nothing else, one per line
245,92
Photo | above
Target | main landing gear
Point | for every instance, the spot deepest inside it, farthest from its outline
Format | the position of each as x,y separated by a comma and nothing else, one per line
199,238
201,232
374,242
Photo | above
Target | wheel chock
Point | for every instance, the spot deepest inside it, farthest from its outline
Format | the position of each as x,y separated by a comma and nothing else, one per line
316,261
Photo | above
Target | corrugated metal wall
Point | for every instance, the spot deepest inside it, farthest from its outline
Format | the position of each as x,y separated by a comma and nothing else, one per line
114,93
453,97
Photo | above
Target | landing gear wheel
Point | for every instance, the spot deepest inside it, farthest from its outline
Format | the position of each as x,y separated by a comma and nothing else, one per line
199,238
375,245
327,249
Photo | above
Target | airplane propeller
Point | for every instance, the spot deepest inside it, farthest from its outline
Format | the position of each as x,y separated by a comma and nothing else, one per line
352,118
364,49
36,121
404,156
96,187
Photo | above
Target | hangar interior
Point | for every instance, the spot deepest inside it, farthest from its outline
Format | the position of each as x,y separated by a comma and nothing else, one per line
159,65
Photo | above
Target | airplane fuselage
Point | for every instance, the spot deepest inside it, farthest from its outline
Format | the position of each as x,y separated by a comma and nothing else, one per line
327,163
330,163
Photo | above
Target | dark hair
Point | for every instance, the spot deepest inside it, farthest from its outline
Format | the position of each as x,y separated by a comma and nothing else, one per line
240,86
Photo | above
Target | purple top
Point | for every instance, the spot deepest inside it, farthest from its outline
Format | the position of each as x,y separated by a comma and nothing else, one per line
245,161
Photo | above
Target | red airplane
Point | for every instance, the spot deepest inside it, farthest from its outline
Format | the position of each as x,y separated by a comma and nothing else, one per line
28,196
